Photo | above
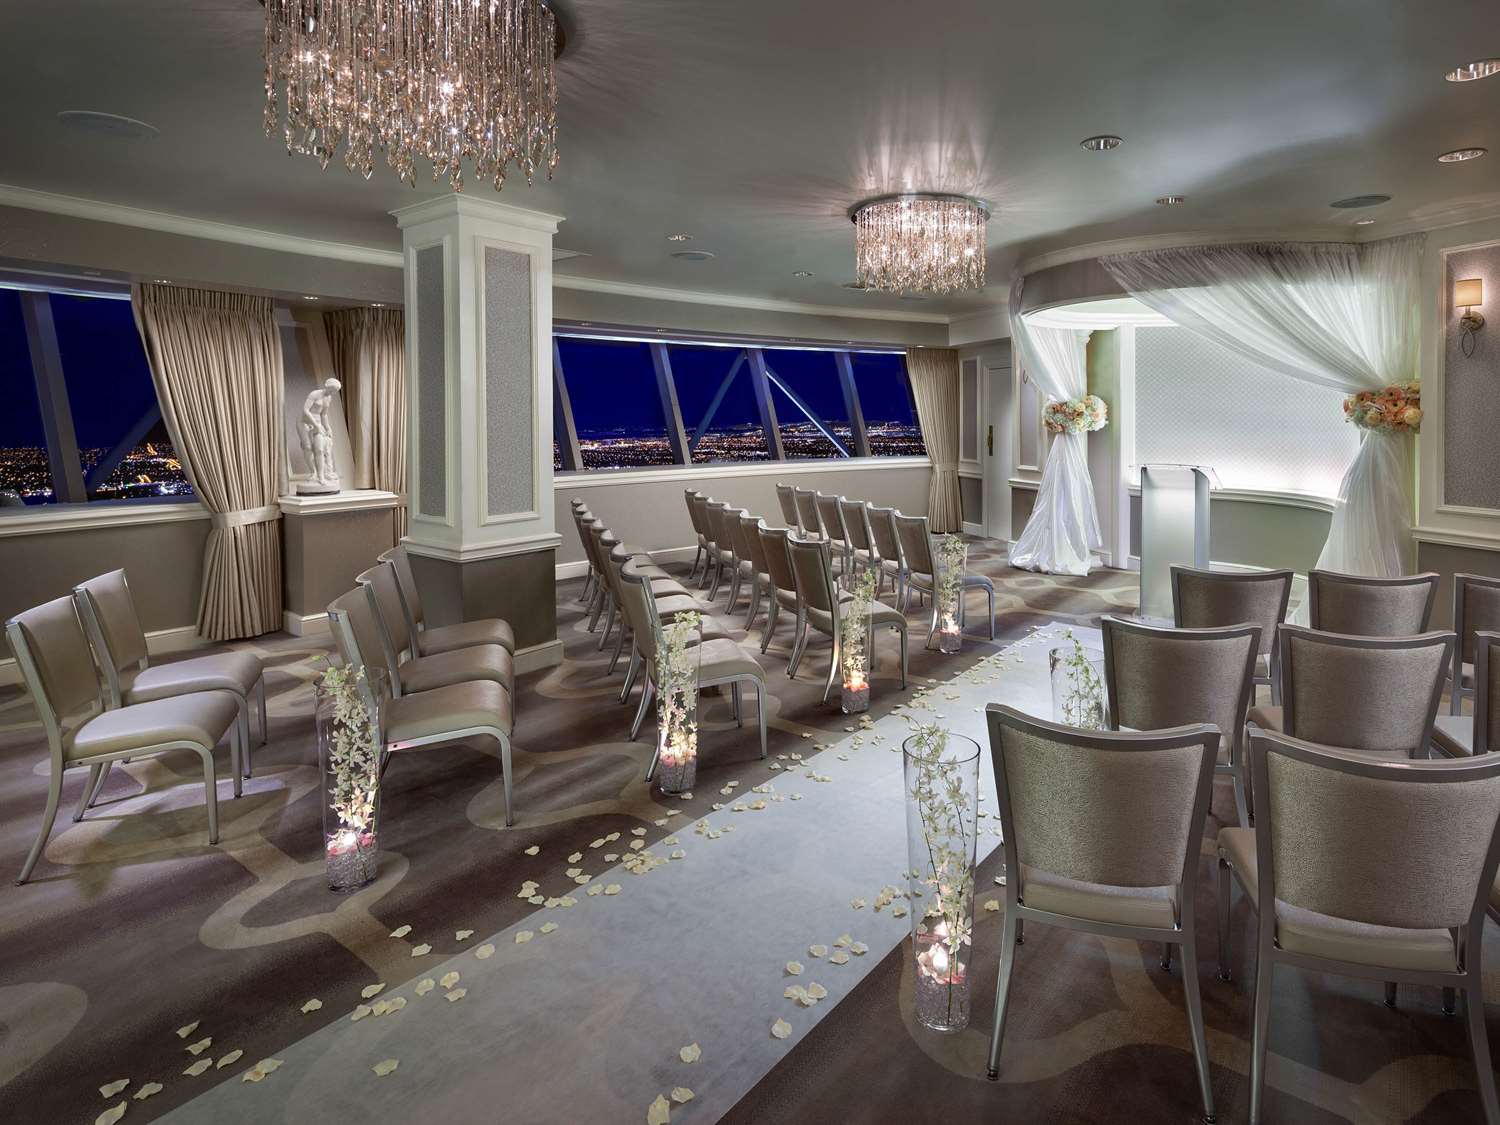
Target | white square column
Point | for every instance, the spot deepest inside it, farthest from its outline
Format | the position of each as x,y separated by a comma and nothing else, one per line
482,531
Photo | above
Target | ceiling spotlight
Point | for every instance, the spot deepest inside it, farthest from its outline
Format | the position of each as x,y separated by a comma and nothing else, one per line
1470,72
1363,222
309,297
1172,200
377,304
160,281
1459,155
1355,201
1102,143
692,255
802,273
679,238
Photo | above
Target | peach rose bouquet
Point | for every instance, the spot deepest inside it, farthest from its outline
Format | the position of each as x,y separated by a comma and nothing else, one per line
1075,415
1396,409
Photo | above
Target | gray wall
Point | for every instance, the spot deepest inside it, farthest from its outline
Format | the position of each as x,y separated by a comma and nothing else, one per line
322,554
653,514
971,495
163,562
1471,409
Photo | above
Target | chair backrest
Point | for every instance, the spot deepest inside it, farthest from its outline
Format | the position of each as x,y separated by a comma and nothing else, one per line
718,520
110,622
754,549
830,517
1405,844
380,587
581,519
355,630
1370,607
1212,599
56,663
788,502
856,529
598,532
735,526
1476,605
695,517
1486,692
916,542
807,511
1115,808
774,541
406,583
883,531
588,532
1363,693
812,570
1159,678
638,605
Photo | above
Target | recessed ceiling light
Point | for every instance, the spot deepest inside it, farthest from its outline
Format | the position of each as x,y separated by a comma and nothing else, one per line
1171,200
309,297
160,281
1461,154
1363,222
1469,72
377,304
1102,143
1354,201
95,121
802,273
679,238
913,296
692,255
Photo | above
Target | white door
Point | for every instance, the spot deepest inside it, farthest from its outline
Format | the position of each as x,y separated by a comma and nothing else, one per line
997,454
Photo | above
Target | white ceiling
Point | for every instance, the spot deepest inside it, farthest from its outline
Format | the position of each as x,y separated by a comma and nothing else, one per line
755,125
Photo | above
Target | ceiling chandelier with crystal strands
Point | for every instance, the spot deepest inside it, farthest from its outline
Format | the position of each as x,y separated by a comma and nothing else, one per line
447,81
919,242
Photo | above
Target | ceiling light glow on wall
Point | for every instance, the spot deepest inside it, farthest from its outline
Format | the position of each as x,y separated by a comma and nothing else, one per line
430,80
1471,72
1458,155
1466,294
919,242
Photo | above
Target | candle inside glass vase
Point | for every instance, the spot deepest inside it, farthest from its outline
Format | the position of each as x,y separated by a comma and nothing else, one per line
678,767
854,645
950,557
677,661
942,989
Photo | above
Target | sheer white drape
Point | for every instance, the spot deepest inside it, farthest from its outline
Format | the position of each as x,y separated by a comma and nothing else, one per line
1337,314
1064,524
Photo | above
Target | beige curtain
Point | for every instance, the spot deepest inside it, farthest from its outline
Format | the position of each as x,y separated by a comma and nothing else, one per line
216,362
369,359
934,383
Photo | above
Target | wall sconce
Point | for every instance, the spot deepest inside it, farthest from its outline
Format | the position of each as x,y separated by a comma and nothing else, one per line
1467,294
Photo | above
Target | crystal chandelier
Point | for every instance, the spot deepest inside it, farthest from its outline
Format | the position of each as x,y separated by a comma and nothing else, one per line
919,243
446,81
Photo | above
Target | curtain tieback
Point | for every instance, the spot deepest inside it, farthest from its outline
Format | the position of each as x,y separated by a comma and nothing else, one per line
243,517
945,466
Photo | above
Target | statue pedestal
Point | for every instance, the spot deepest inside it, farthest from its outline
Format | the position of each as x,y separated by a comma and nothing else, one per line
315,488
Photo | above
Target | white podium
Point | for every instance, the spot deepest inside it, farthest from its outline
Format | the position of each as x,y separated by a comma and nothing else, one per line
1174,530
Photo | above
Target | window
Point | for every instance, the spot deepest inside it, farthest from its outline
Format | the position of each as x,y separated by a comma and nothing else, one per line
620,403
82,420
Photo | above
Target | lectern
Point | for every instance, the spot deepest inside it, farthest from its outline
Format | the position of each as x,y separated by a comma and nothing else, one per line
1174,530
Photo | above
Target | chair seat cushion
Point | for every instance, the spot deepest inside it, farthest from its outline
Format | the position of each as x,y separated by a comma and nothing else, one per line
484,662
1338,939
881,615
867,557
200,718
467,634
1454,735
223,671
478,703
723,659
1123,906
1267,718
970,581
666,587
674,604
709,629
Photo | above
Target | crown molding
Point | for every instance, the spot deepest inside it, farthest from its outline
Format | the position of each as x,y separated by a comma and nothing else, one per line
122,215
736,301
469,207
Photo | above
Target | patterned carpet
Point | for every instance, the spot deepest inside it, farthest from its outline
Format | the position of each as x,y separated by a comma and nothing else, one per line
133,927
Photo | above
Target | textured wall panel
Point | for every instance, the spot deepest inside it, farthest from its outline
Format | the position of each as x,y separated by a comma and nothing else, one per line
508,383
1200,404
432,385
1471,409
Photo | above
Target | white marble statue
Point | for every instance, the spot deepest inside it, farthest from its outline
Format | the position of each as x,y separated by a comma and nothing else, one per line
316,436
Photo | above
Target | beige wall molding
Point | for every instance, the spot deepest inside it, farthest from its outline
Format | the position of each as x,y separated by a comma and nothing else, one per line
350,500
46,518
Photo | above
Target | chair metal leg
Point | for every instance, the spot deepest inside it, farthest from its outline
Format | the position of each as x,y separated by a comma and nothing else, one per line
635,665
713,590
1450,1001
773,610
1195,1011
54,793
760,713
931,625
800,646
833,667
236,745
211,795
755,595
95,770
990,590
640,716
601,595
99,787
734,699
609,622
1166,957
260,701
243,726
1390,994
588,588
1223,905
619,648
903,659
697,558
1261,1027
1479,1041
1008,941
505,779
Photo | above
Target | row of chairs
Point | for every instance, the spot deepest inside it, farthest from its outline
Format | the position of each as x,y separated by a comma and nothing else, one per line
137,708
447,683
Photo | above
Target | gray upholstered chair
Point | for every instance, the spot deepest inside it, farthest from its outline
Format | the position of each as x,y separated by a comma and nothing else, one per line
606,543
1376,869
1158,678
783,592
1378,695
1103,834
721,662
862,554
753,555
821,606
587,532
699,504
111,624
787,498
430,640
1458,736
1213,599
695,518
720,546
1370,607
1476,605
916,556
672,598
743,579
888,546
423,673
807,513
581,514
423,719
831,519
57,667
